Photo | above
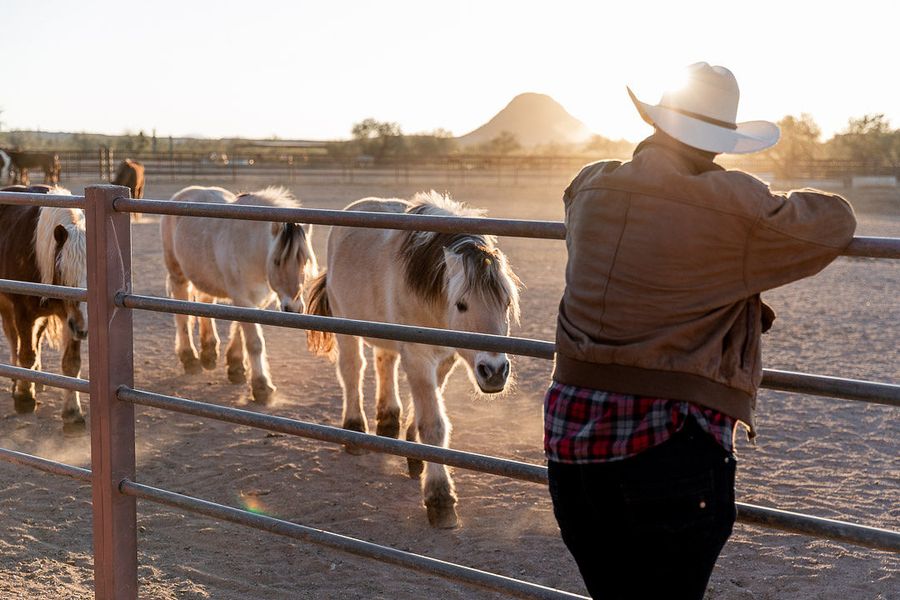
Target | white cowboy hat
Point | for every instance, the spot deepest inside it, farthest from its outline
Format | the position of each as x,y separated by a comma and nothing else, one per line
702,113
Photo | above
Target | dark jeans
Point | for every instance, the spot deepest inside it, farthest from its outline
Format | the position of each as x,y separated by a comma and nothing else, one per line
650,526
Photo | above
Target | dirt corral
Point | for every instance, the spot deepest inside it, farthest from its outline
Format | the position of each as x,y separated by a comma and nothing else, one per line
831,458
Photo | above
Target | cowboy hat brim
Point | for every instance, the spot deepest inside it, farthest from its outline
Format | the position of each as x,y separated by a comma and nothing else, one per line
747,137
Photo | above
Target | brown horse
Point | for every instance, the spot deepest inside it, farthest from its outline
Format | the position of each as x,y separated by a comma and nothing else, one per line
43,245
131,174
22,161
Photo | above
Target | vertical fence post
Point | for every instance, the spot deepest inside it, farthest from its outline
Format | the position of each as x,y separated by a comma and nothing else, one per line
112,421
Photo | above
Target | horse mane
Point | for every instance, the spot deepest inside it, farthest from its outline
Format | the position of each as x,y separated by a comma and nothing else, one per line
275,196
70,268
485,268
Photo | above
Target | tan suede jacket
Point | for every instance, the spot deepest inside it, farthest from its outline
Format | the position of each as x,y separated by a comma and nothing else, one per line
667,255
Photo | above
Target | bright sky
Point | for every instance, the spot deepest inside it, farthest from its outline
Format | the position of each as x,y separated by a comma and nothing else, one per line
311,69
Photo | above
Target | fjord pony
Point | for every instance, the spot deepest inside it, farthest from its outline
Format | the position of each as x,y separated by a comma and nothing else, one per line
452,281
249,262
43,245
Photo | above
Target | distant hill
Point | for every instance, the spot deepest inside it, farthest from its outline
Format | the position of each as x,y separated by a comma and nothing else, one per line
534,119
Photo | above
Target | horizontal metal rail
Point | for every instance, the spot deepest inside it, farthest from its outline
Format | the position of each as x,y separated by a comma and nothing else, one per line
336,435
323,216
848,389
840,531
31,199
46,465
832,387
873,247
483,579
27,288
52,379
870,537
385,331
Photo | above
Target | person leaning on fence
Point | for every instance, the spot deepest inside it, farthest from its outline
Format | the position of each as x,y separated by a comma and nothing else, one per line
658,338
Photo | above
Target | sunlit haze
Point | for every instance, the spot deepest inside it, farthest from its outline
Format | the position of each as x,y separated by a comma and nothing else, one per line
310,70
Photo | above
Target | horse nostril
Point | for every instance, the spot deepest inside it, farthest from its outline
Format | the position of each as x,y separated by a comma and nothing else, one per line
505,370
483,371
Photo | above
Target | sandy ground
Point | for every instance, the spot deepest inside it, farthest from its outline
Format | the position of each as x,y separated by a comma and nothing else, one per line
830,458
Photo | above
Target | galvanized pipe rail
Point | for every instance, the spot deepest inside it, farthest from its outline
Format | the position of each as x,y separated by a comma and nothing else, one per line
836,387
862,535
483,579
59,292
52,379
873,247
30,199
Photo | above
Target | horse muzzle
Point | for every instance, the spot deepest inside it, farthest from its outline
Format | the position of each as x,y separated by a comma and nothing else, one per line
492,378
77,332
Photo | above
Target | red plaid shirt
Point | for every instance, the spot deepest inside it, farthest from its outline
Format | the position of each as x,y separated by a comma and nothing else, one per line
582,425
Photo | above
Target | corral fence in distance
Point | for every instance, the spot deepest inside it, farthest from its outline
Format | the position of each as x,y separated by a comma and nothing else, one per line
113,396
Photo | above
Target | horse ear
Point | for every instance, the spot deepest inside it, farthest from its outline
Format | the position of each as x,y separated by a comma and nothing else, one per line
60,235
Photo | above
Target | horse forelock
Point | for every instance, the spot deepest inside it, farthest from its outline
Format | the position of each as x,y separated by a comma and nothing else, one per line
70,267
292,244
485,269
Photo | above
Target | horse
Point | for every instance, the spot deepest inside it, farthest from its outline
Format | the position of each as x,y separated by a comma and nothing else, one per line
22,161
130,174
41,244
249,262
452,281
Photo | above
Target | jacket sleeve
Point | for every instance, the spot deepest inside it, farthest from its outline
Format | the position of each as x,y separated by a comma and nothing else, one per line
795,235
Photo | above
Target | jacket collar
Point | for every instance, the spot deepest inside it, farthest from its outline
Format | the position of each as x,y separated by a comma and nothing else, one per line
696,161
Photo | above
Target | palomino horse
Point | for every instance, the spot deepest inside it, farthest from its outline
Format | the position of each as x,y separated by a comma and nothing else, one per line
22,161
43,245
452,281
246,261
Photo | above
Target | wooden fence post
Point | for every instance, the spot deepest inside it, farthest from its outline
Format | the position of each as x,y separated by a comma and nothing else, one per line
112,421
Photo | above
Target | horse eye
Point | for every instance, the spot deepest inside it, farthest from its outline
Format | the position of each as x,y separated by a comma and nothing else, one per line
462,306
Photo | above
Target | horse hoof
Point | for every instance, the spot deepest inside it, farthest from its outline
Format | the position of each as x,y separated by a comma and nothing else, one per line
191,365
262,391
388,428
74,428
415,467
442,517
24,403
208,359
354,450
237,375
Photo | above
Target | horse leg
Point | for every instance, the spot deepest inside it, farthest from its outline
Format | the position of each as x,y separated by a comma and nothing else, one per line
415,465
23,391
234,354
72,413
387,401
38,343
351,365
12,338
209,337
180,289
434,429
260,383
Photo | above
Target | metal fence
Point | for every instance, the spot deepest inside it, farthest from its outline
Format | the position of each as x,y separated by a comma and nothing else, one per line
316,163
113,397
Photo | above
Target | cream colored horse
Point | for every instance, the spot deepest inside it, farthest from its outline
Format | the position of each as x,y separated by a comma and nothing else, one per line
250,262
451,281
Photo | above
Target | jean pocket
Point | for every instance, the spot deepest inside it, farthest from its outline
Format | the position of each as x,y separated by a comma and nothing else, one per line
673,503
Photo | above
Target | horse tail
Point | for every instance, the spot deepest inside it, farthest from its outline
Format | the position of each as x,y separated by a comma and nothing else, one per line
320,343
